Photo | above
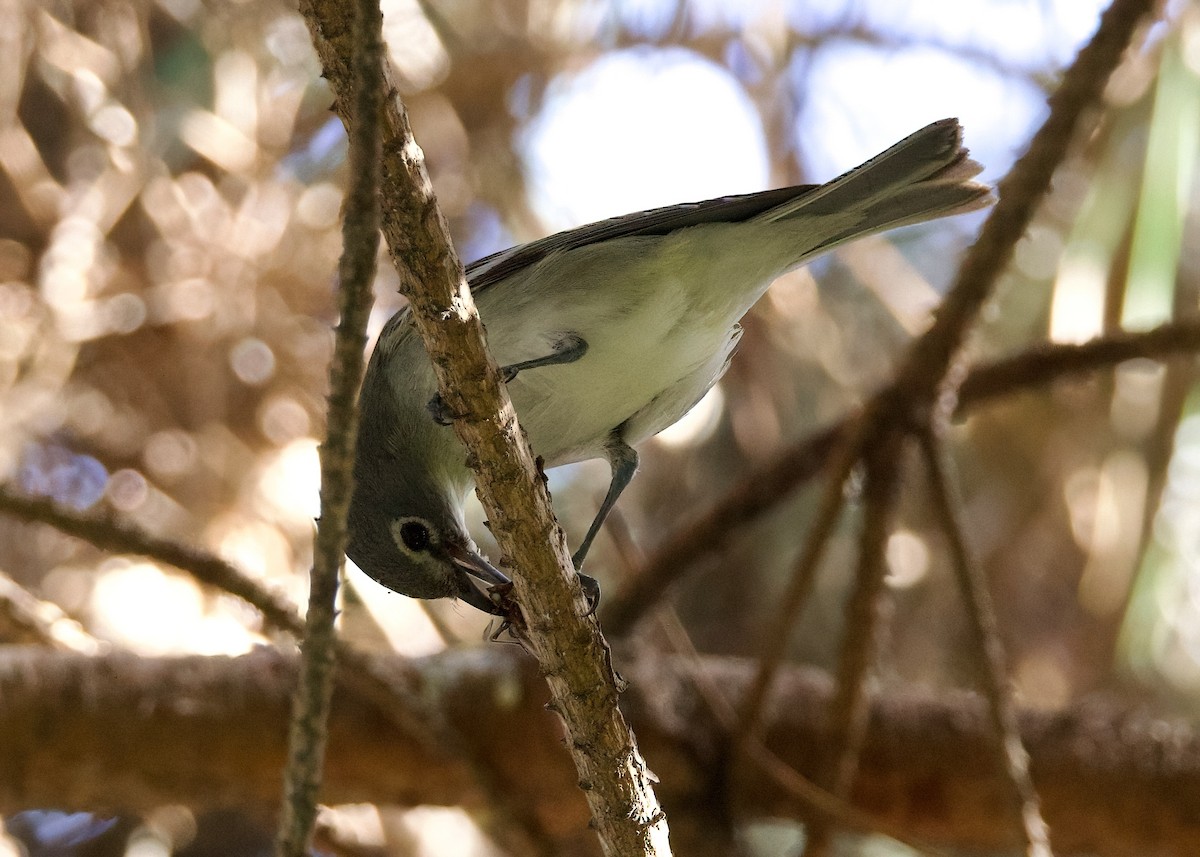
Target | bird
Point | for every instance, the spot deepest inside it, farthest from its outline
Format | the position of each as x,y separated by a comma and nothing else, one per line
607,334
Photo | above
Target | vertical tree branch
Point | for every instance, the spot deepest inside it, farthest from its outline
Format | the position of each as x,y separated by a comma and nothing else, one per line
929,372
356,274
573,655
847,713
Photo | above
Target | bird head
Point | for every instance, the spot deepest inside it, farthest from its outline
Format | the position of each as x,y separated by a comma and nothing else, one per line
412,539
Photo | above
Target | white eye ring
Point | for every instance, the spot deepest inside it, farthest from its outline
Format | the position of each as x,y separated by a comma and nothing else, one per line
413,535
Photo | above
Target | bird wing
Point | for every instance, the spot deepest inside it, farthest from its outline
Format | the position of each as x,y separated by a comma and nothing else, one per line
657,221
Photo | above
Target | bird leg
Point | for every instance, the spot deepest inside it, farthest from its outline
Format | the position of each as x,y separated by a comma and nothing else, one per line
568,349
624,461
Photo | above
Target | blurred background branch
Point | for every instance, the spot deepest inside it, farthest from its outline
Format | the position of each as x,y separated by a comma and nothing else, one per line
925,767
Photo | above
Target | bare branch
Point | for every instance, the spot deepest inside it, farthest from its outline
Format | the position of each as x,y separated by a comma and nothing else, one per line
846,715
111,533
757,492
1048,362
122,732
356,275
574,656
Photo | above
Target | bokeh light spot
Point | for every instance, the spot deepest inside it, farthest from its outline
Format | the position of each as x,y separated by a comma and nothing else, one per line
638,129
127,490
170,453
125,313
907,559
282,419
153,612
188,300
290,484
50,470
253,361
115,124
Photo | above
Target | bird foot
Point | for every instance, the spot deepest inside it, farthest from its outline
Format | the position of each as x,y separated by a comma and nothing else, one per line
440,411
591,591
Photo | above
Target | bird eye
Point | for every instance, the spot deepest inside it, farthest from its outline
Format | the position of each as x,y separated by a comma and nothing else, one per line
415,536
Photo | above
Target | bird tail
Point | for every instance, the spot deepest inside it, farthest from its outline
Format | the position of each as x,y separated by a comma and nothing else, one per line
926,175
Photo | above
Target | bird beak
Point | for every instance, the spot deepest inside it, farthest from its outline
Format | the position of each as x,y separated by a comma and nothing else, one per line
480,569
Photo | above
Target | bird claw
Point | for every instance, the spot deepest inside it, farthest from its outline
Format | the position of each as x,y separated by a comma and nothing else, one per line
440,411
591,591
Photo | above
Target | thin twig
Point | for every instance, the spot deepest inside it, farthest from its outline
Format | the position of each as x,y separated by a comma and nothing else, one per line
830,808
356,275
847,714
757,492
1048,362
115,535
775,638
985,633
26,619
846,720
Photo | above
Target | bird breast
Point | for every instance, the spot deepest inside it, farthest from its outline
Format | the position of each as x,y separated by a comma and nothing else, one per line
660,319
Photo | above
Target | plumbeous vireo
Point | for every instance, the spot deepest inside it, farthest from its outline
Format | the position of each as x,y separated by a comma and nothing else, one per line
606,335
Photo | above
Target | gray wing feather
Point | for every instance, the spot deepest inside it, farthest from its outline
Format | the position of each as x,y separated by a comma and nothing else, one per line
656,221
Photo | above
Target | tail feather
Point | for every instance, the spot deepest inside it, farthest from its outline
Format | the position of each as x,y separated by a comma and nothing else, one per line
926,175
